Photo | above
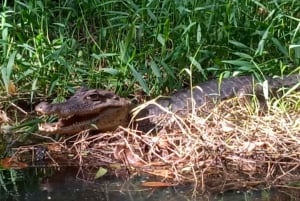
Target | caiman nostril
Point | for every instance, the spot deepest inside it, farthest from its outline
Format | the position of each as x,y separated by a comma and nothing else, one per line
40,108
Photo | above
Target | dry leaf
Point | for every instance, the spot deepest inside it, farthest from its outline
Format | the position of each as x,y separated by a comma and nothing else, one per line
12,163
157,184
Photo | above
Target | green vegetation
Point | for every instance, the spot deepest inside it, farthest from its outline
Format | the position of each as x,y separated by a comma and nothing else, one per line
48,47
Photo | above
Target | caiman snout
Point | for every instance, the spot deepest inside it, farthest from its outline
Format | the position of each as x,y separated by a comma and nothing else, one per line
42,107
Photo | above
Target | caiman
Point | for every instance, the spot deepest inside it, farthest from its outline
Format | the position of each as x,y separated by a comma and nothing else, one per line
104,111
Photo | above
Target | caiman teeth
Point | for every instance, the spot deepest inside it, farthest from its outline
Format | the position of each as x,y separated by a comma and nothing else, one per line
49,127
70,121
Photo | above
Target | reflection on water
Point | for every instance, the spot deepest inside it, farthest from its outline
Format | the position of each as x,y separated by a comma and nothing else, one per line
69,184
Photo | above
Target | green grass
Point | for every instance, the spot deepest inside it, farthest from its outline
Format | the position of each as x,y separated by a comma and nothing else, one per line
48,47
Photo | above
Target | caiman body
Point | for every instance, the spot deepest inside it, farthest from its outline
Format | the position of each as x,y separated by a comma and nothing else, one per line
105,111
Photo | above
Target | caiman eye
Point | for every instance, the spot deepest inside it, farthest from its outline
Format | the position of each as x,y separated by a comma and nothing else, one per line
94,97
116,98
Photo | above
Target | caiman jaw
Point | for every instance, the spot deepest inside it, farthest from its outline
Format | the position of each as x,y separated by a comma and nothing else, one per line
70,124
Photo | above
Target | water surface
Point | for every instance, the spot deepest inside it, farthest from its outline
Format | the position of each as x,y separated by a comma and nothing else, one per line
72,184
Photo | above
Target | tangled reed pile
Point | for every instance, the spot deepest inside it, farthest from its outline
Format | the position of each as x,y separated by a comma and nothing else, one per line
232,147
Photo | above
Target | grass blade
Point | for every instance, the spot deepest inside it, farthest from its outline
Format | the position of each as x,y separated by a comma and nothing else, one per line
7,70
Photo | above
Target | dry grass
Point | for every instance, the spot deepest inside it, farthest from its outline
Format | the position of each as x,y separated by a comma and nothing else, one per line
232,147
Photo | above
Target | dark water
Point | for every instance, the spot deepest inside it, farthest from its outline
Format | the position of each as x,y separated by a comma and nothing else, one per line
71,184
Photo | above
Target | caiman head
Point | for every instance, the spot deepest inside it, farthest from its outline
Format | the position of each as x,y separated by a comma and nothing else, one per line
86,109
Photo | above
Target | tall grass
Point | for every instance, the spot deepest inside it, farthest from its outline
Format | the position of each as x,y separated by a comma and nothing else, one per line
49,47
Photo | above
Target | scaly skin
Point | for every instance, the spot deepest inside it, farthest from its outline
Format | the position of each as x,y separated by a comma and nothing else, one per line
105,111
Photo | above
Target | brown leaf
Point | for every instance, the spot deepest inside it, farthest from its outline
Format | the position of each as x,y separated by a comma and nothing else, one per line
157,184
12,163
12,89
55,147
160,172
130,158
